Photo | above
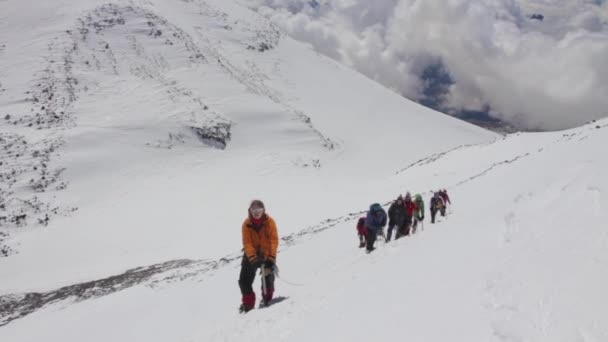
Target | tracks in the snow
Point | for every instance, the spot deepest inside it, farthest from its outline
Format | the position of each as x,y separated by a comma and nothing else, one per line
433,158
492,167
16,306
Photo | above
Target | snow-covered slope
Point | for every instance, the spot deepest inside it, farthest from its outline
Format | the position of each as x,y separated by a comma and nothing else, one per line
159,121
521,257
162,119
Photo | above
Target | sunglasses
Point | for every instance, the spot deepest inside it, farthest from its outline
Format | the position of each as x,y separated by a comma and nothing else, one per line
256,211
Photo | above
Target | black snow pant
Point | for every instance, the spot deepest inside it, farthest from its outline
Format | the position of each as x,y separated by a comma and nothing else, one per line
362,241
404,230
389,233
370,238
433,214
247,276
398,226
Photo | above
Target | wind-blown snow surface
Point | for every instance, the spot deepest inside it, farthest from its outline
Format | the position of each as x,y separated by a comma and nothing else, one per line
522,256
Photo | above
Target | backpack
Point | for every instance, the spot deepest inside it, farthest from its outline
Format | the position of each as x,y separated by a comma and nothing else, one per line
361,226
376,217
375,207
436,202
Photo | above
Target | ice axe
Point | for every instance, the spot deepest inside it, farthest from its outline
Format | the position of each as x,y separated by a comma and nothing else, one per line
263,274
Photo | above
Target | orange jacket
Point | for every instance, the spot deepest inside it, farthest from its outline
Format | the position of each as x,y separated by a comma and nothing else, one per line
264,241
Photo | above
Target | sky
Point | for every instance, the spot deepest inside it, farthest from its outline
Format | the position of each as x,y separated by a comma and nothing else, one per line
462,56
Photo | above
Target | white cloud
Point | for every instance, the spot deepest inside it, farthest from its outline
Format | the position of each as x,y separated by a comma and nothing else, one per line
548,74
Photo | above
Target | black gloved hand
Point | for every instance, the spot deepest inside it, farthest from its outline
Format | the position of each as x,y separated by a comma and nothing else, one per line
256,262
269,264
269,267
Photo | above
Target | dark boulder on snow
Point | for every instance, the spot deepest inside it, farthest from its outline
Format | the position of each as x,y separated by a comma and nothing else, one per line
216,135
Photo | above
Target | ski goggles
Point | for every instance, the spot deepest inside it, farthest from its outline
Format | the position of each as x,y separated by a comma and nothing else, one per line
256,211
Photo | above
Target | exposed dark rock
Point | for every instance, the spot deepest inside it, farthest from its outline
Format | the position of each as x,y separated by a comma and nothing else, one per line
216,136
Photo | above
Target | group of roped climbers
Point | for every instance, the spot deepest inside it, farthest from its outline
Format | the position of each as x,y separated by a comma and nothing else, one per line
260,238
405,214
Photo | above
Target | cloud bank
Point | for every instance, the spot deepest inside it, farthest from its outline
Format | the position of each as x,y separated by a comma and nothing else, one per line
535,64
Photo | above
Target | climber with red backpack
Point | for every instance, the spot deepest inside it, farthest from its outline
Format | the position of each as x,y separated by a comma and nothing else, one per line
361,232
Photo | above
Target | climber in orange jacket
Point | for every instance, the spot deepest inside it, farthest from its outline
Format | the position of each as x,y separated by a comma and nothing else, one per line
260,243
